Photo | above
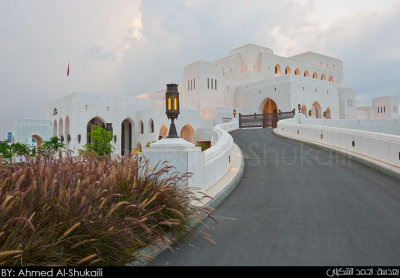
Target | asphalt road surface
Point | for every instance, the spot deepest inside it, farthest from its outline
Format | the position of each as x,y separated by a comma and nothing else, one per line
298,205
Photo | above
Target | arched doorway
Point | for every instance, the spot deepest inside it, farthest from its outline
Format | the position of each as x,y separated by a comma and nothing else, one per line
127,132
316,110
66,132
38,140
95,121
61,130
287,70
163,132
306,74
297,72
328,113
187,133
269,108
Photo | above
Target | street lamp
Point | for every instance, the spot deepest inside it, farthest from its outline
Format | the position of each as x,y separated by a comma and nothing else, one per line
172,108
234,113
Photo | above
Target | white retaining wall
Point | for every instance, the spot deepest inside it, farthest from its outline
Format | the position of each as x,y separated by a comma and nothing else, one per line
218,158
387,126
208,166
379,146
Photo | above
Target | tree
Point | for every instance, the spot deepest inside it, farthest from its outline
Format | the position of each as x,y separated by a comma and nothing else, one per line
51,146
100,141
5,148
20,149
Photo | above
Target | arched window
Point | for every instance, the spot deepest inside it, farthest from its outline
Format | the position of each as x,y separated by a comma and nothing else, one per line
297,72
328,113
287,70
278,70
323,77
331,79
315,75
304,110
151,126
141,127
306,74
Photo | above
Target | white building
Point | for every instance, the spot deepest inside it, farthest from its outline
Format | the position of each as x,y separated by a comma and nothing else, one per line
251,79
382,108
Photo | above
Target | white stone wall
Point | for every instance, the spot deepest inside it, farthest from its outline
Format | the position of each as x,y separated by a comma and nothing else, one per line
24,129
347,103
386,107
80,108
376,146
387,126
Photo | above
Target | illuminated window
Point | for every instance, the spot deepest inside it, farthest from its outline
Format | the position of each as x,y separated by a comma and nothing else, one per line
278,70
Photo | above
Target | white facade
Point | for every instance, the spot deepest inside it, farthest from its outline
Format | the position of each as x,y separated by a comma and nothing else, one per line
31,131
382,108
251,79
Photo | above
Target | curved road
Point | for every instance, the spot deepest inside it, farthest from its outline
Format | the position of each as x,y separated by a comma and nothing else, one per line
299,205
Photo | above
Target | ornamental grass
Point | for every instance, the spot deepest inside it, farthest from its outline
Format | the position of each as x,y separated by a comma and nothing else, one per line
88,211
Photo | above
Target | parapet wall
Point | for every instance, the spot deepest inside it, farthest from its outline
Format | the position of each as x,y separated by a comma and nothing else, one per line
377,146
387,126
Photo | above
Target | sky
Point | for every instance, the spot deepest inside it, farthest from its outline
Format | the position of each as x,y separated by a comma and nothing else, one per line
129,47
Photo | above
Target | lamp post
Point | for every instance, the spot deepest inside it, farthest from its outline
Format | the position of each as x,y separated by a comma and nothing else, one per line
234,113
172,108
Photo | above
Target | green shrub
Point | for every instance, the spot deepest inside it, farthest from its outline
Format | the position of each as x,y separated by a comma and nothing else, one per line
75,211
100,142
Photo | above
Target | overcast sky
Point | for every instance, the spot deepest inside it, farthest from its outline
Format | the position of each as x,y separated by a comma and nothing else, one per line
128,47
